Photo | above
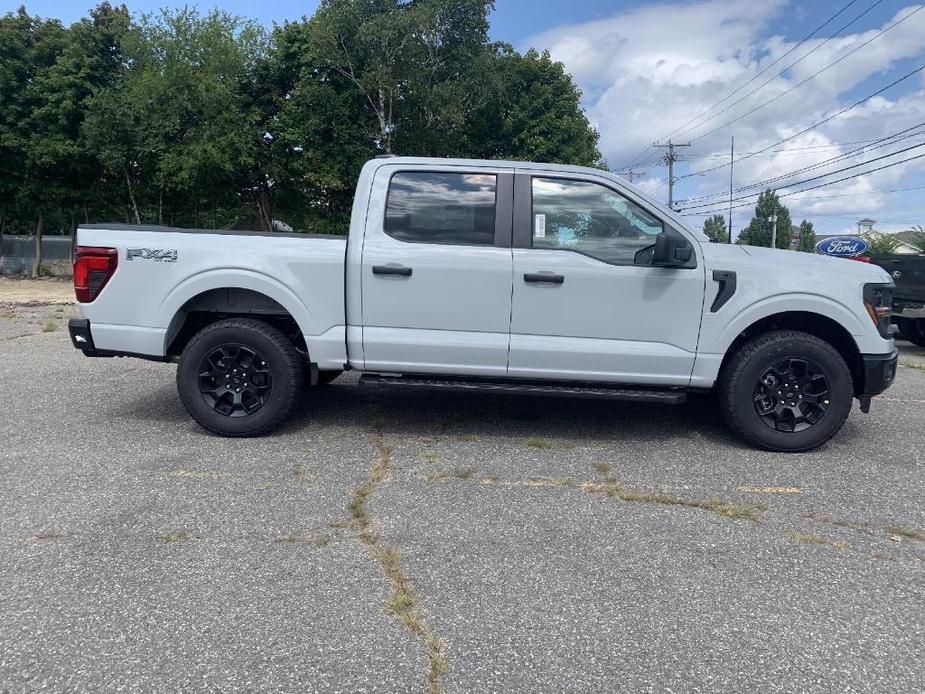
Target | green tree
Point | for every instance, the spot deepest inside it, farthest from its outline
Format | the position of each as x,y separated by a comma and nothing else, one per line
880,245
807,237
758,232
715,228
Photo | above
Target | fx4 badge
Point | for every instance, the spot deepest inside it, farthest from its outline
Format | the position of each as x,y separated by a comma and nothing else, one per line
158,255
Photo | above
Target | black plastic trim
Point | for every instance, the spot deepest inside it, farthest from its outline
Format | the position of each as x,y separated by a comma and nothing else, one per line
544,277
392,270
574,389
727,287
878,371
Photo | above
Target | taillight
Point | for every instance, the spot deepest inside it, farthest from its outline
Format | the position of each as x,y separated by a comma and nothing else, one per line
92,269
878,300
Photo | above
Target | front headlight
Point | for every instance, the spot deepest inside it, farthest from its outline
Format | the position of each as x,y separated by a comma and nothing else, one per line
878,300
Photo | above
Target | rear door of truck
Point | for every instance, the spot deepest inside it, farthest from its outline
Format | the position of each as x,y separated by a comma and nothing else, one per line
436,270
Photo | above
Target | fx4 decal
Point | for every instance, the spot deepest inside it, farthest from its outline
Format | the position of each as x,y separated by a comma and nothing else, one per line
158,255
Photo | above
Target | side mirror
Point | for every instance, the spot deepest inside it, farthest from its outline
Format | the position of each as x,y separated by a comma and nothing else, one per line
671,250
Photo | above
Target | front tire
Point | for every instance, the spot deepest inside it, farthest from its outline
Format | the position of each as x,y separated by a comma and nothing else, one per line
914,330
239,377
786,391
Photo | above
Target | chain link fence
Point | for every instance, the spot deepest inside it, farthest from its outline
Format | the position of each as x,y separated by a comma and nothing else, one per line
17,253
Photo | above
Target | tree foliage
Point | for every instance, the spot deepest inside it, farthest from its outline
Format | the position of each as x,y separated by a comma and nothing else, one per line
715,228
807,237
759,230
197,119
880,244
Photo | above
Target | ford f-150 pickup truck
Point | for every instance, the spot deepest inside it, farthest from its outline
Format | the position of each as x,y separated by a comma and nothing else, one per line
508,277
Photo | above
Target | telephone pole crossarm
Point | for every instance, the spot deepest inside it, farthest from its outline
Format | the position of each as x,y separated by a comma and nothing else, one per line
670,158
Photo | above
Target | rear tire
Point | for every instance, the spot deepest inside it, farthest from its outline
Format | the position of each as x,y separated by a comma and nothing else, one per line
786,391
239,377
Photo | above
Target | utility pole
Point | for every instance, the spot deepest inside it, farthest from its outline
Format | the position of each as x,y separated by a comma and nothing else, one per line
773,220
670,159
629,174
732,158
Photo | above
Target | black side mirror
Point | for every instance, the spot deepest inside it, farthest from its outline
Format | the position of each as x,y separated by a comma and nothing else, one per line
671,250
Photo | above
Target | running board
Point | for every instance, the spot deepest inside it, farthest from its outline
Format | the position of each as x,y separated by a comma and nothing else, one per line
667,396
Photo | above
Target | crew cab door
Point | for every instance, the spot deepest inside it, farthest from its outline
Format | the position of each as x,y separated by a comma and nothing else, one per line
436,270
588,304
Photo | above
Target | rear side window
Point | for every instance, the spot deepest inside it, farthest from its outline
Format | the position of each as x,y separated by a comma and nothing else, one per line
431,207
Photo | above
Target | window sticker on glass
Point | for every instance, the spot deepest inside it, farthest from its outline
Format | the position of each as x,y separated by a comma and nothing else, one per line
540,227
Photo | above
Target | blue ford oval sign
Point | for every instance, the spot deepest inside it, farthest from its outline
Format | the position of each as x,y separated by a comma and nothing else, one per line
843,246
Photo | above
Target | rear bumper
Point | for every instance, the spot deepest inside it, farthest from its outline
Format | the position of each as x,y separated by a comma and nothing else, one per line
877,372
82,338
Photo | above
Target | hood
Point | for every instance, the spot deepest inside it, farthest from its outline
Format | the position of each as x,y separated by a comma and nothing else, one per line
805,262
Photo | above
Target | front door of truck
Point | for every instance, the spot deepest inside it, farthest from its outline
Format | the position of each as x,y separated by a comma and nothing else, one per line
436,270
588,304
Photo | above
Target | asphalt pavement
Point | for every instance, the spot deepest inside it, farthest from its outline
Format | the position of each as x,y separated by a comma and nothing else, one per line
390,541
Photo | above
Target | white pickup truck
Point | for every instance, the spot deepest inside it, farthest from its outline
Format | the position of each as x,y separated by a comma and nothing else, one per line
502,276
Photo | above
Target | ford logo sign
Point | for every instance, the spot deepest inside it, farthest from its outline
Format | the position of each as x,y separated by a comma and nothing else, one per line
843,246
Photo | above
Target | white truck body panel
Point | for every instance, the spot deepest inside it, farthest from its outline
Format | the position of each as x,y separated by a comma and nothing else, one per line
466,309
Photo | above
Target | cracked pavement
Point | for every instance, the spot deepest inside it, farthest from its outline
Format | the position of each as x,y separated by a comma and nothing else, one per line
140,553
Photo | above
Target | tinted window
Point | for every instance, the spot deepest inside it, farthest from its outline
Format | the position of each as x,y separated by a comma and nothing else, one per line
441,208
591,219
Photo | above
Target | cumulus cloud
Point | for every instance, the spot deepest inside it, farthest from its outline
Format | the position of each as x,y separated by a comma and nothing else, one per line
649,70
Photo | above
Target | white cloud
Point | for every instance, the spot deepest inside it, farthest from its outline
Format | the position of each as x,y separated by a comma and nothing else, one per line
649,70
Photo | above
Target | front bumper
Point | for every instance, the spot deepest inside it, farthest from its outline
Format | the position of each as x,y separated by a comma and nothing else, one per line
877,373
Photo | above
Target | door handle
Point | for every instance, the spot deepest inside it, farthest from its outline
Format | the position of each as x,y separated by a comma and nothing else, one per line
544,277
392,270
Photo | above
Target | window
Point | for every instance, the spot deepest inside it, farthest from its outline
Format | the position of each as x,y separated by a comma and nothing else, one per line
432,207
591,219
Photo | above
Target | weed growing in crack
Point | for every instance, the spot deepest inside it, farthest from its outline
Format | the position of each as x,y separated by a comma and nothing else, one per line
816,540
402,603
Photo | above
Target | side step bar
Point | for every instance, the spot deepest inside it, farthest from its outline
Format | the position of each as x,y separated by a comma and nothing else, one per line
666,396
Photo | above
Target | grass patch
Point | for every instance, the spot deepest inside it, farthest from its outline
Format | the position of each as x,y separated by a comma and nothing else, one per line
725,509
910,365
906,531
817,540
430,457
50,325
537,442
178,536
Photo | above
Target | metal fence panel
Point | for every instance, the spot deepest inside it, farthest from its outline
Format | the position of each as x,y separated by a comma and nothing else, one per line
17,254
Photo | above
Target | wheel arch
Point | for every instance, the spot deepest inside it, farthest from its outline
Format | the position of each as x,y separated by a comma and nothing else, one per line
209,305
817,324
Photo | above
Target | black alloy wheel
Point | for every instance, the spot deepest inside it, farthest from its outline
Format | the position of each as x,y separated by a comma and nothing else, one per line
792,394
234,380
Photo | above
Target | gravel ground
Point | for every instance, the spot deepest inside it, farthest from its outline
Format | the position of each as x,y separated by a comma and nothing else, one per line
542,544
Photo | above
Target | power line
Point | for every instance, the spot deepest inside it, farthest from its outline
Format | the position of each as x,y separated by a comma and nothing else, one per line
893,138
820,185
745,84
808,79
816,178
814,125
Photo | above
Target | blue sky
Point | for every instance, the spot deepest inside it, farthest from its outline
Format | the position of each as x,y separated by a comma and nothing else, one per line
647,68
